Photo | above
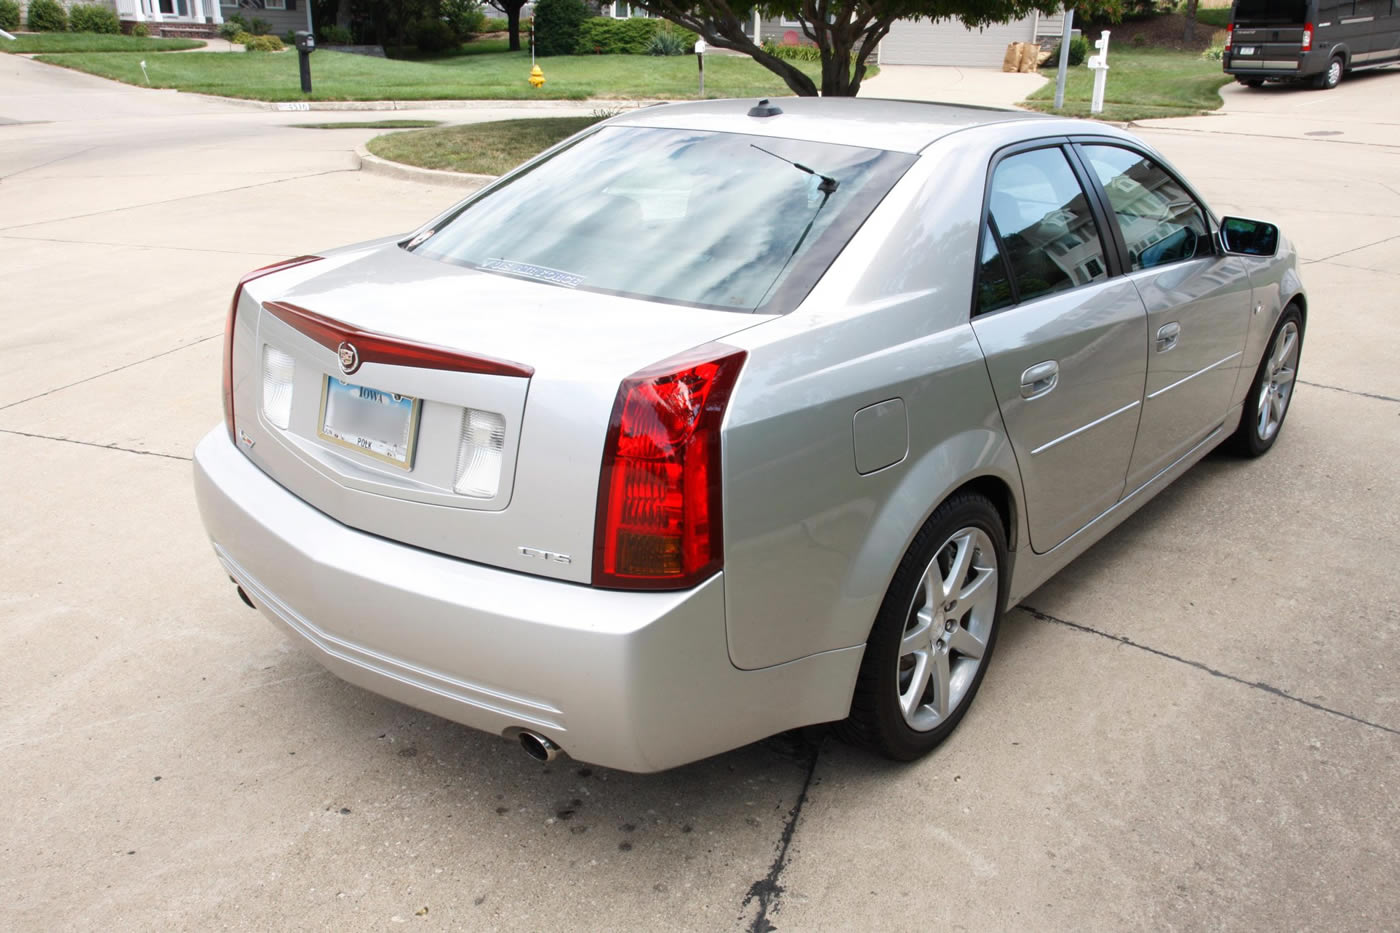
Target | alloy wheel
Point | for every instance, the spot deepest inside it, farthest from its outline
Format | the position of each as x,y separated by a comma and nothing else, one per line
949,623
1280,372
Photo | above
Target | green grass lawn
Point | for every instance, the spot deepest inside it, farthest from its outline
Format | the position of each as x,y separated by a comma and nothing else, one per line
92,42
1215,17
483,148
342,76
1142,84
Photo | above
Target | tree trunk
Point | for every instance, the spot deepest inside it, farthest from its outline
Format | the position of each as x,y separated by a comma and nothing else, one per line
1190,33
513,24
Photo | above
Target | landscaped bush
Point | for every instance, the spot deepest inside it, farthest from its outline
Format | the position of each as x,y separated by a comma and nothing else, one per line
335,35
139,30
466,18
90,17
433,35
230,28
260,26
47,16
239,21
495,24
289,37
1214,54
670,40
793,53
259,43
9,15
1078,51
603,35
558,24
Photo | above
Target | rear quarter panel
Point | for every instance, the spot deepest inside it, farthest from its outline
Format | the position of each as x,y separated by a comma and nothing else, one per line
811,544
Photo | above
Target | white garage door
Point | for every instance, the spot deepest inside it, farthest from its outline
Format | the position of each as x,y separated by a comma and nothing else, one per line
952,43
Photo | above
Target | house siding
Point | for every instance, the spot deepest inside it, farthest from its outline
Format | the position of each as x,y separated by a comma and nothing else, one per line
949,42
293,17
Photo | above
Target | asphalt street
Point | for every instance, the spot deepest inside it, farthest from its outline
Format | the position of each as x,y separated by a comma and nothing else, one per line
1195,726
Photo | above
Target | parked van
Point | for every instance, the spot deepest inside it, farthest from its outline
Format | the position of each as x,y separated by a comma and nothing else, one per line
1314,40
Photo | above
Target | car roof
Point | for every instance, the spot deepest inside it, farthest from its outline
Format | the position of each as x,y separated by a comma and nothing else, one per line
895,125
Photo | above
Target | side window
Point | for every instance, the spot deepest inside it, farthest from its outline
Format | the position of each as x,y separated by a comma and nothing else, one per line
1048,239
1161,223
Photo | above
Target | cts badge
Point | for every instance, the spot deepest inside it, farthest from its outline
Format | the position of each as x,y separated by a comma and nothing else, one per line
545,555
349,357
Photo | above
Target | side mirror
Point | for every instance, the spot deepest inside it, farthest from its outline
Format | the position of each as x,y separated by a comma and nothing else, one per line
1248,237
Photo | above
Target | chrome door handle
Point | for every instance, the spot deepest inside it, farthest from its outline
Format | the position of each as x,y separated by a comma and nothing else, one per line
1167,336
1040,379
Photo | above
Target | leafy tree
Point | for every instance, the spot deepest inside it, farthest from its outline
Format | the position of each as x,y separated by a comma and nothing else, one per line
846,32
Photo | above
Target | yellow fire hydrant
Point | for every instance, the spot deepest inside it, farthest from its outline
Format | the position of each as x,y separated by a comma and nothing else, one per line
536,76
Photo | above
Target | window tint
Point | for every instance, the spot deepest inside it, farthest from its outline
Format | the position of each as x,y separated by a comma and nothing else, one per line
1047,232
1161,223
993,284
714,220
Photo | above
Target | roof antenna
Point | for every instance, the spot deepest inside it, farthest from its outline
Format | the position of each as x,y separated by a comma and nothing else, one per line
765,109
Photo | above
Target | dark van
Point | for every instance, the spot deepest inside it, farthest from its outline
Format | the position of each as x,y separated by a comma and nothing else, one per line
1314,40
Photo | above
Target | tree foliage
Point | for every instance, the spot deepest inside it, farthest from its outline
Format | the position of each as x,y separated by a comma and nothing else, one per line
847,32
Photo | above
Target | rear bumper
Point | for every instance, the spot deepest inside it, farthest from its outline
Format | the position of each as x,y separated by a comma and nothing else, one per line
636,681
1281,65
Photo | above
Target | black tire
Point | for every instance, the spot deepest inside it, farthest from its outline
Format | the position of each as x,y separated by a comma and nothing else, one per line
876,720
1332,76
1249,440
1252,82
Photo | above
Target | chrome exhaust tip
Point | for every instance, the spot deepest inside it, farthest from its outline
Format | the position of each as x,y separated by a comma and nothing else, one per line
538,747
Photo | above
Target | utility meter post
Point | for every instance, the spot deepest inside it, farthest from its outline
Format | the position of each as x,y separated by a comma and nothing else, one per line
306,44
700,48
1099,65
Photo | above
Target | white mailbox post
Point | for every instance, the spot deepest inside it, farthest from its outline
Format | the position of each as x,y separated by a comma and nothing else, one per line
700,47
1099,65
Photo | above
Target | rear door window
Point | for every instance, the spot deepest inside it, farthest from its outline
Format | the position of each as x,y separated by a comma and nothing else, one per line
1272,12
1161,223
1040,223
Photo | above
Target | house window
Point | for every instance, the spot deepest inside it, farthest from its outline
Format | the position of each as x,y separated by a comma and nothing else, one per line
274,4
228,3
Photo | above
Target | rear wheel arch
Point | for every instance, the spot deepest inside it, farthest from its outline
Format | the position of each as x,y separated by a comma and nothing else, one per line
1001,495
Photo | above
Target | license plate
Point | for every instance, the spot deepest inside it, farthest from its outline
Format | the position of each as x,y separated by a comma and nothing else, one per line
1245,50
378,424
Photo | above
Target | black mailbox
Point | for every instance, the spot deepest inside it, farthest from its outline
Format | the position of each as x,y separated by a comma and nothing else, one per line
306,42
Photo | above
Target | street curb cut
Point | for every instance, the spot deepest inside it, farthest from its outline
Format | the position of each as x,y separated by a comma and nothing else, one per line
377,166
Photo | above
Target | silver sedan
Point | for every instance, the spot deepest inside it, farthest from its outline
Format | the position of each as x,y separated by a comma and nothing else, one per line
720,419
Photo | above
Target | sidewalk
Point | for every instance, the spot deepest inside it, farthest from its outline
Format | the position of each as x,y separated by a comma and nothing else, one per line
983,87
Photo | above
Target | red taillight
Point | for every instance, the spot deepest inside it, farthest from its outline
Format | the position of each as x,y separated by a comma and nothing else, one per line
1229,35
659,521
233,317
1307,37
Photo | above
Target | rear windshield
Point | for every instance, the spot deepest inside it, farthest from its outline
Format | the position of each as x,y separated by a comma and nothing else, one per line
1273,12
712,220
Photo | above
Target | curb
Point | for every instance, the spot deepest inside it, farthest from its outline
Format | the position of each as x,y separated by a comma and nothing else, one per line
375,165
390,105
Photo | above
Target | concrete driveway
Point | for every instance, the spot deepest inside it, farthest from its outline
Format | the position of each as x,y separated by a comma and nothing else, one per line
1197,725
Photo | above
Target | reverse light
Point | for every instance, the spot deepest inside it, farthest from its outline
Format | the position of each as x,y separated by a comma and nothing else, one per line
479,454
233,318
1229,36
278,369
659,519
1307,37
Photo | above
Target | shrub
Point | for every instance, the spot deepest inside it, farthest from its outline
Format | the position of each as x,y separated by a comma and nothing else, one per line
91,17
495,24
140,31
558,24
466,18
1078,51
433,35
9,15
47,16
228,29
1214,54
240,21
289,37
260,26
793,53
671,41
335,35
603,35
260,43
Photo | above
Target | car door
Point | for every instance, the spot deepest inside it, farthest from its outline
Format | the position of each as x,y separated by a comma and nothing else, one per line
1063,337
1197,300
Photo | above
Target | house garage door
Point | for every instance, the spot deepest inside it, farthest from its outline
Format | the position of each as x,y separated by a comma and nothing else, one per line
952,43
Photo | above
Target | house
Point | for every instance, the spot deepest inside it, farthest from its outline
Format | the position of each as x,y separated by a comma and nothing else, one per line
945,42
201,18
